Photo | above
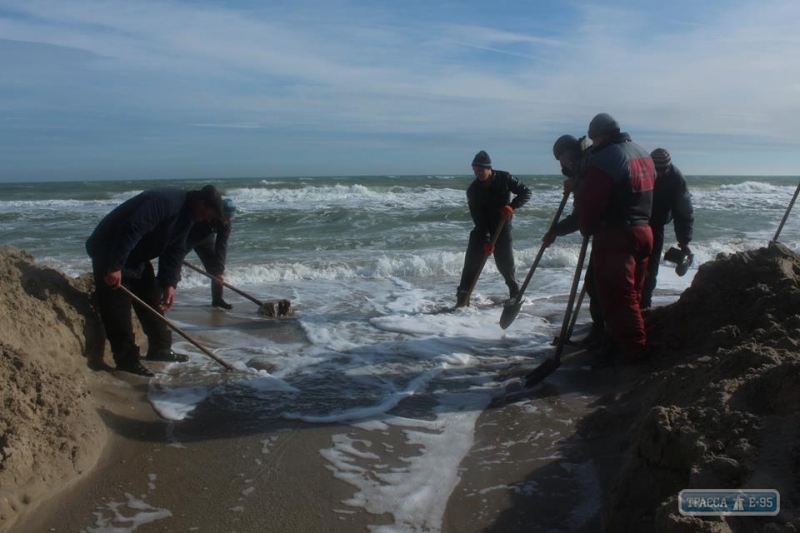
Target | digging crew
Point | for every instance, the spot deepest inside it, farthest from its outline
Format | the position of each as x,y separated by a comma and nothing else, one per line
570,153
671,203
209,240
152,224
489,199
616,200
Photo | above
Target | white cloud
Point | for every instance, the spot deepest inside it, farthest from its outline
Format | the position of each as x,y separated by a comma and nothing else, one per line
366,71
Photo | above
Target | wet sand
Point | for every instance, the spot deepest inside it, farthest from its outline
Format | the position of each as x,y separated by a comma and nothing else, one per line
218,471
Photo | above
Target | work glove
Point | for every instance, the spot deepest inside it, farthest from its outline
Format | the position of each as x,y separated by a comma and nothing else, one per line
506,211
488,249
685,249
113,278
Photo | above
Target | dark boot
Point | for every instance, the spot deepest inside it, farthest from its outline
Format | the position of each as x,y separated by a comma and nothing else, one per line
222,304
593,340
216,297
135,367
167,356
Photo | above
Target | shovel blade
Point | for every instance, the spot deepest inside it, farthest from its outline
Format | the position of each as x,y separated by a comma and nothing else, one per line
276,309
539,373
510,312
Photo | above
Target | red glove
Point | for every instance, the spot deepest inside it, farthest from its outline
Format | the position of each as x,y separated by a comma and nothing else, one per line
506,211
113,278
488,249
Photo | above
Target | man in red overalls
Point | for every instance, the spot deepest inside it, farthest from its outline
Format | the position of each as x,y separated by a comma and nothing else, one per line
615,207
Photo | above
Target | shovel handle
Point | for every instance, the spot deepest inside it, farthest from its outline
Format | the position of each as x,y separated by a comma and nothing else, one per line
178,330
225,284
562,339
786,215
542,248
577,311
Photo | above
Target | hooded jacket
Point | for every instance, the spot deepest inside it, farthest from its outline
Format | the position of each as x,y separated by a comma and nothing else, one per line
618,189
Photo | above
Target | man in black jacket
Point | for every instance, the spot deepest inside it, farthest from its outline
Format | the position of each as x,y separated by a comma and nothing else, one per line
489,199
209,240
152,224
671,203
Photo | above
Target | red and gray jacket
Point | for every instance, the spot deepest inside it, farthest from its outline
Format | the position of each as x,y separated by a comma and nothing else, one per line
618,187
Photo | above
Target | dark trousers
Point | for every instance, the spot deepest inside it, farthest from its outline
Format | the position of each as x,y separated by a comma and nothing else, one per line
115,312
207,254
652,267
503,258
594,304
620,257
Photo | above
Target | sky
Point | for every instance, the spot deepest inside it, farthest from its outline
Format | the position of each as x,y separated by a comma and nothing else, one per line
172,89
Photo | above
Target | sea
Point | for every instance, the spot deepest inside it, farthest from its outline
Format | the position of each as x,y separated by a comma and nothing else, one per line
371,265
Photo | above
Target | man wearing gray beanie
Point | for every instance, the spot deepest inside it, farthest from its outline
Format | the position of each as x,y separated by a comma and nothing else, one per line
489,199
615,206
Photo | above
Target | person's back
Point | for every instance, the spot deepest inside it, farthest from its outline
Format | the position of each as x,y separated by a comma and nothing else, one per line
615,206
141,229
627,198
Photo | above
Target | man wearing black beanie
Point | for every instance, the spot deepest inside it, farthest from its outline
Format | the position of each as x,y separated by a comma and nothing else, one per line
489,199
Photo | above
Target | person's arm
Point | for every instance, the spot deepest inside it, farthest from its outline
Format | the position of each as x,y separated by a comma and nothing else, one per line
567,225
169,264
521,191
683,213
594,197
221,247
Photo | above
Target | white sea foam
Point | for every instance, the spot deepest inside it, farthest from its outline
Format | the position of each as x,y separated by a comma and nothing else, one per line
416,493
348,196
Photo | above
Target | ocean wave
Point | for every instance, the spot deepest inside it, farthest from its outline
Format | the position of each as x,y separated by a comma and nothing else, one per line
351,196
755,187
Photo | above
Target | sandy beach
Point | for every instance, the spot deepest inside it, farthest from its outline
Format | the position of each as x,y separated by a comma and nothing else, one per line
588,450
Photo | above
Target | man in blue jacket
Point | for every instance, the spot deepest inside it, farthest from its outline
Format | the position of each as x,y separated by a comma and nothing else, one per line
152,224
489,199
209,240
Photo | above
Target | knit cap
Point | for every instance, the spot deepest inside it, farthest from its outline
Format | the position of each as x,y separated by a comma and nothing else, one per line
482,159
661,158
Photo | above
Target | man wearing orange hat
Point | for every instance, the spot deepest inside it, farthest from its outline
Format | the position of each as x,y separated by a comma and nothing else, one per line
671,203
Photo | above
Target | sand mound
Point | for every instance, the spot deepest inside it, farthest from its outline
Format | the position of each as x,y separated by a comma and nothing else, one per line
723,408
49,430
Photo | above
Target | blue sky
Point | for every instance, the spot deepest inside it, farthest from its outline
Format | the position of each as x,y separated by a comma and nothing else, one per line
119,89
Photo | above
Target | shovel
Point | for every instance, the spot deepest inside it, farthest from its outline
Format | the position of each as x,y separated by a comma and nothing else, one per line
511,309
552,363
483,262
574,318
786,215
279,308
178,330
